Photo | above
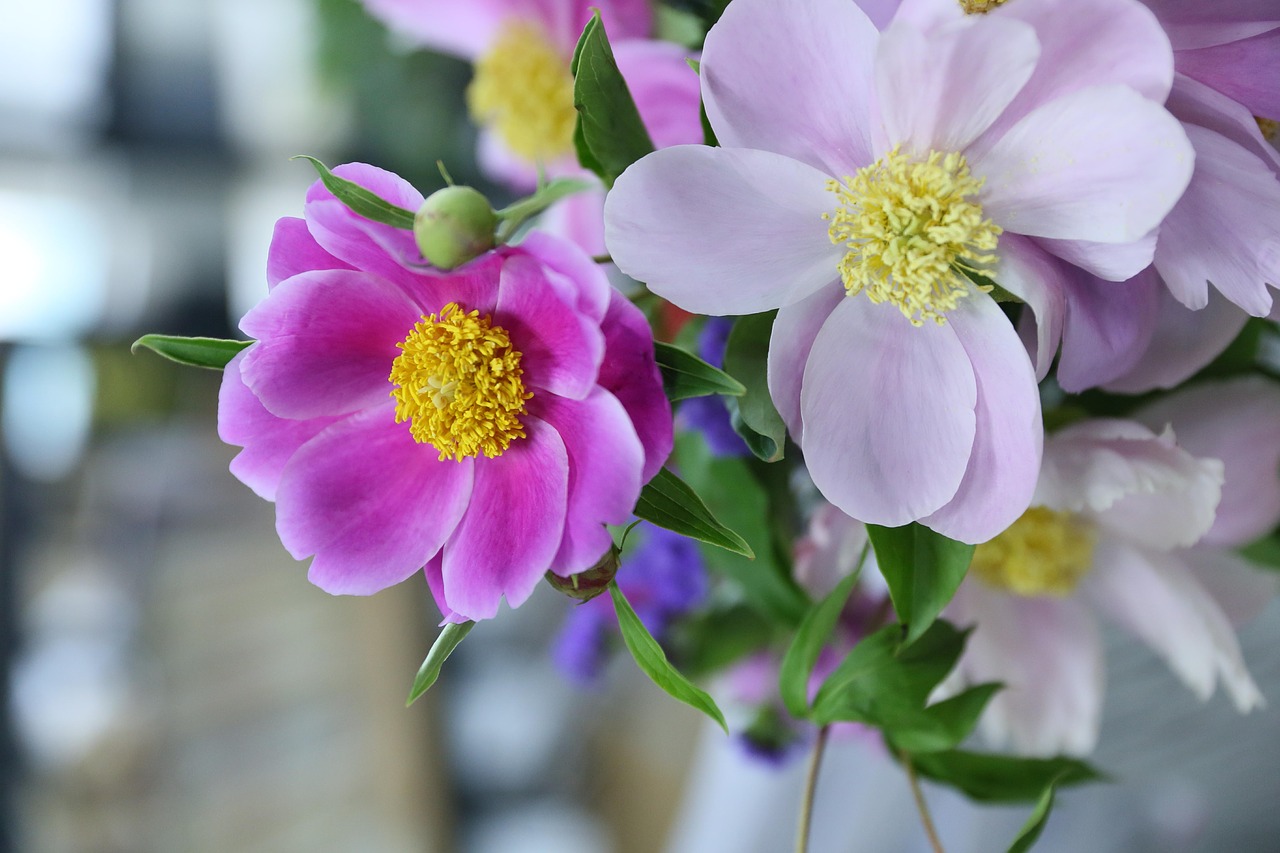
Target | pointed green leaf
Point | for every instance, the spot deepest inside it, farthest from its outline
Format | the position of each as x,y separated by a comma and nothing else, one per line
669,503
653,661
943,725
812,635
609,126
1001,778
446,641
684,375
1035,824
746,359
923,570
213,353
361,201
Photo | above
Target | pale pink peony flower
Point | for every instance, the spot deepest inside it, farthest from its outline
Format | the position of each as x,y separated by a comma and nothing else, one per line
1124,521
841,146
485,422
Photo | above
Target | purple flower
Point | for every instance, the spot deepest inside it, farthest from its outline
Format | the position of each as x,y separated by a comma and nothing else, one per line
860,164
663,579
485,422
708,415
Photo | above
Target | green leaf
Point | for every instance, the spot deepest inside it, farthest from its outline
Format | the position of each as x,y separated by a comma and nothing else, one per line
746,359
609,127
684,375
923,570
1263,553
943,725
446,641
213,353
1035,824
1001,778
515,214
709,641
669,503
361,201
812,635
653,661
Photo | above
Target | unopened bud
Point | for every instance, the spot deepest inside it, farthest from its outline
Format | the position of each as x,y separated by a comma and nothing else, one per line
585,586
453,226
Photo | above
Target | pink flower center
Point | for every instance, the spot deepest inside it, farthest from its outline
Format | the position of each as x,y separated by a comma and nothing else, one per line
458,383
1045,552
523,91
913,231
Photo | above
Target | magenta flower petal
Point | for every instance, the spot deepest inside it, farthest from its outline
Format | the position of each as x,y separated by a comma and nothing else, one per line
877,445
311,361
268,441
1182,342
513,526
939,90
772,71
473,286
561,348
1108,327
794,330
742,229
605,463
580,280
372,505
1005,462
631,374
435,582
357,241
1244,70
1102,164
294,250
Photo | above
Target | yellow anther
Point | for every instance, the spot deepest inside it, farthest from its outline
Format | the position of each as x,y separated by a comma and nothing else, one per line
980,7
1044,552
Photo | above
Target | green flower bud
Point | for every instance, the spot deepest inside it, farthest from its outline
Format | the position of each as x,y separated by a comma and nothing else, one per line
585,586
453,226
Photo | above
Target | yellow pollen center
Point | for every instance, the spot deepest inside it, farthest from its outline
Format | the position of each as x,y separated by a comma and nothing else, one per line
1044,552
458,382
1270,128
980,7
912,229
522,89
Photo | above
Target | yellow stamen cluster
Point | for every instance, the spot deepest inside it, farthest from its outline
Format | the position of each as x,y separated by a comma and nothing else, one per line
980,7
1270,128
1045,552
458,382
523,90
911,229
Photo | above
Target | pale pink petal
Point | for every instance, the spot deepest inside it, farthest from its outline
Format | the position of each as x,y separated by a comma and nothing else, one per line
880,11
561,350
1009,434
794,330
1239,588
1182,343
828,551
793,77
1126,479
1237,422
364,244
268,441
888,411
722,230
606,460
1029,273
1192,102
512,527
1109,325
1155,596
294,250
1048,654
501,164
939,90
571,271
630,373
1244,70
1225,230
312,361
666,90
369,502
435,582
578,219
463,29
1109,261
1102,164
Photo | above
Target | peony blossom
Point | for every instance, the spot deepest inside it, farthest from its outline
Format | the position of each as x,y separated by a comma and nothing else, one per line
484,423
1124,522
865,176
521,96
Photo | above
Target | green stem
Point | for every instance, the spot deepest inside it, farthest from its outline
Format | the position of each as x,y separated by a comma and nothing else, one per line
921,805
810,785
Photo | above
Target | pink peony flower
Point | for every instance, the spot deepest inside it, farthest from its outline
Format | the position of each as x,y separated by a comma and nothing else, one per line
1124,522
880,165
485,423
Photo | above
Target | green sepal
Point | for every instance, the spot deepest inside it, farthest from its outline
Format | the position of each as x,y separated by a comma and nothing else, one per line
669,503
361,201
211,353
923,570
684,375
609,130
652,660
446,641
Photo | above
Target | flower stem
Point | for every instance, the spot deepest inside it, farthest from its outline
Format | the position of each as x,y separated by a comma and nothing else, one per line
810,785
921,805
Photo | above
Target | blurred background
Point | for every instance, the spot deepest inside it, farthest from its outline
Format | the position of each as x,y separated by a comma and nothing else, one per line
172,682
